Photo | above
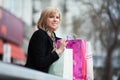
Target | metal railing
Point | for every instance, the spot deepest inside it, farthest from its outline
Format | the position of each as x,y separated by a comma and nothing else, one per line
14,72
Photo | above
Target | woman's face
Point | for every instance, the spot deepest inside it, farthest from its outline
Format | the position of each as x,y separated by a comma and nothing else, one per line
53,21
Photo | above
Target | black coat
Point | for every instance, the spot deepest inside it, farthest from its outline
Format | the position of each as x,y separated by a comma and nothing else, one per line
40,55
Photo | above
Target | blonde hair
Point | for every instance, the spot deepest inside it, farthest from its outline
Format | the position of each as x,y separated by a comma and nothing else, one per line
45,14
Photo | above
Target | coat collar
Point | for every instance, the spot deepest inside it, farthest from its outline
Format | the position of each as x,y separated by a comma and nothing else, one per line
50,40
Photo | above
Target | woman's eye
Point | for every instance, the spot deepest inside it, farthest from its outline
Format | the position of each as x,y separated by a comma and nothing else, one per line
51,16
57,17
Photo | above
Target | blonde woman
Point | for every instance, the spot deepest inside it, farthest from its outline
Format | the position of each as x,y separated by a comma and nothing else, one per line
42,51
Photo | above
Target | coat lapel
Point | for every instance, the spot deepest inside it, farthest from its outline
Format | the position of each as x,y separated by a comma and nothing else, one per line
50,40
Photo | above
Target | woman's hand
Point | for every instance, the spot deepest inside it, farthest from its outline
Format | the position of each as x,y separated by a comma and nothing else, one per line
61,47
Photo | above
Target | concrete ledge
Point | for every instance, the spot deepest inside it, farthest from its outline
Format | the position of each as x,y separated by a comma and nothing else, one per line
15,72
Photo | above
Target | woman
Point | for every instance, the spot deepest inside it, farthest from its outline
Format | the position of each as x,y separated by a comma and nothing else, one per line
42,51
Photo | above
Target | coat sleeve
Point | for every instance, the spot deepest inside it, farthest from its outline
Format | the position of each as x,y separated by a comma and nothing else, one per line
40,56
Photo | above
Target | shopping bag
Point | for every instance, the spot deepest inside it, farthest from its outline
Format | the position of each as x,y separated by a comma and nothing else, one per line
89,58
76,62
63,67
79,58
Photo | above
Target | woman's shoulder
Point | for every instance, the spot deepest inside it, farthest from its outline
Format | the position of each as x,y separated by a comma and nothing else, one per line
39,32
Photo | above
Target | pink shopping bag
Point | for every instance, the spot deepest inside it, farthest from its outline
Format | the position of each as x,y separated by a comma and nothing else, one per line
78,47
79,60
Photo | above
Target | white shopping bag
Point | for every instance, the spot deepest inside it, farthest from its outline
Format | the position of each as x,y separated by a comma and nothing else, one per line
64,65
89,58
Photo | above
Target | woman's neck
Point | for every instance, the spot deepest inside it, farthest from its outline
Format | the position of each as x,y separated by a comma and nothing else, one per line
52,36
50,33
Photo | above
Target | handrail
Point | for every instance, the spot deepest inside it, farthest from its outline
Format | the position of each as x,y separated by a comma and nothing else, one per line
10,71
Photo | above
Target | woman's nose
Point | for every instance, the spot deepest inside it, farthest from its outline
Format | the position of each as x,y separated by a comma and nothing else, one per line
55,19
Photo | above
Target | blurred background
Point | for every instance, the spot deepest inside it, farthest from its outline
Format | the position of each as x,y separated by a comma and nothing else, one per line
97,21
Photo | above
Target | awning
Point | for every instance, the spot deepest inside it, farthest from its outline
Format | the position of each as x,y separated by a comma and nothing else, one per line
17,52
9,28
